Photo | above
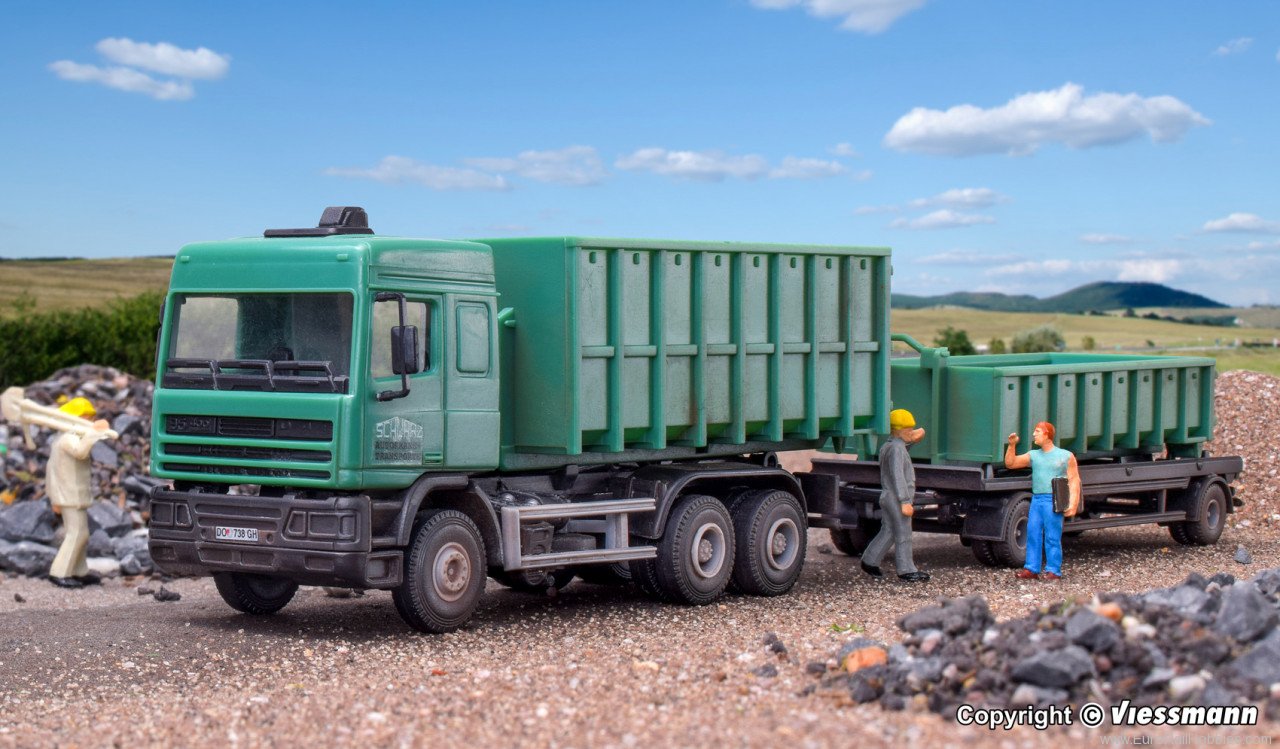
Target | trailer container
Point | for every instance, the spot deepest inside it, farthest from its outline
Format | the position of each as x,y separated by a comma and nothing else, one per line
1136,424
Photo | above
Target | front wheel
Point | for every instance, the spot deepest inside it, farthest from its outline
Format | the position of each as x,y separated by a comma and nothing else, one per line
444,573
854,541
770,534
254,594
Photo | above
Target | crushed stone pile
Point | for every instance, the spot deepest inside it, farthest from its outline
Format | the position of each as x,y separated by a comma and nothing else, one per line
29,530
1210,642
1246,404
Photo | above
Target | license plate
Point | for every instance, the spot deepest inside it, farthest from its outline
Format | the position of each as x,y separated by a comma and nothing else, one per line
223,533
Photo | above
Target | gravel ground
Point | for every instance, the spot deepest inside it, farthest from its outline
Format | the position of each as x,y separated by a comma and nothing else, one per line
594,666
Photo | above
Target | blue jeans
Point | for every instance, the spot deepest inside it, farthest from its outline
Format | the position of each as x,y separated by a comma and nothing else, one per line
1044,535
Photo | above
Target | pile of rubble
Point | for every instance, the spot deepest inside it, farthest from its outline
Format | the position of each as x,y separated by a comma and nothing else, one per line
1246,404
29,531
1211,642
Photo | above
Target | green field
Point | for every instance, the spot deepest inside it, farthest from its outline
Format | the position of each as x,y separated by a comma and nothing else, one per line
73,284
1109,333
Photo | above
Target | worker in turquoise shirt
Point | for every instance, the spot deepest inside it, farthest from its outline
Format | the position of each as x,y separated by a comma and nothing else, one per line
1044,526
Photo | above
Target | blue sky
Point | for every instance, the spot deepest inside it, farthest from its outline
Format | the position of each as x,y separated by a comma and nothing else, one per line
995,146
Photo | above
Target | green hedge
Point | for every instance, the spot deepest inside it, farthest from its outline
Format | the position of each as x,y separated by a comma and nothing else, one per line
123,336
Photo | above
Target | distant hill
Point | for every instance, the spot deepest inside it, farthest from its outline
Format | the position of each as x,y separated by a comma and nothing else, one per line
1102,295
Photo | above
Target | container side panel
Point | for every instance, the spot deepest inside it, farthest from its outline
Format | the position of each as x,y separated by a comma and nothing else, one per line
755,331
792,305
636,322
593,336
718,327
681,401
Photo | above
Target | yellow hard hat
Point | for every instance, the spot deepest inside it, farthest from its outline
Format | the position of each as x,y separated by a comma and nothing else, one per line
901,418
79,407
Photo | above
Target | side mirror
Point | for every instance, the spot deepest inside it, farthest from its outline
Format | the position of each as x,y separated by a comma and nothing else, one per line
404,349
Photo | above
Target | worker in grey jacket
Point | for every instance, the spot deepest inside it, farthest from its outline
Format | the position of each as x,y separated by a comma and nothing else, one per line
898,482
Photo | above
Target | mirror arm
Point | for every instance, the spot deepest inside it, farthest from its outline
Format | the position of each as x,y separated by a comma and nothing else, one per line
386,395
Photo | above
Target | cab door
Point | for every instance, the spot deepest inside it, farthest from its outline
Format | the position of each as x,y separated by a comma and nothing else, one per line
405,431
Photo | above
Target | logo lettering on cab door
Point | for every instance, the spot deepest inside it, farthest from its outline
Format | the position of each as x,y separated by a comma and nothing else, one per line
397,440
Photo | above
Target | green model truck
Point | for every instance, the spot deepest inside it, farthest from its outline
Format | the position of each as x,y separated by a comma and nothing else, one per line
344,409
418,415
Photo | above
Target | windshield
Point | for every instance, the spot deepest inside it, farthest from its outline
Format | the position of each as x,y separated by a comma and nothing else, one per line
290,342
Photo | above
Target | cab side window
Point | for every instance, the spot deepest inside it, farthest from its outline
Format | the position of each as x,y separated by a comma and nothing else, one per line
386,315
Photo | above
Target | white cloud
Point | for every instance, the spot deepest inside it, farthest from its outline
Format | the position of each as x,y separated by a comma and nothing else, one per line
166,58
1029,121
705,166
123,79
573,165
1245,223
793,167
942,219
1234,47
966,257
1150,270
1264,246
865,16
401,170
846,150
1105,239
862,176
962,197
717,166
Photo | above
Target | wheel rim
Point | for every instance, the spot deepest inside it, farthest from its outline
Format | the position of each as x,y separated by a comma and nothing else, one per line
782,544
1213,513
708,550
451,571
1020,534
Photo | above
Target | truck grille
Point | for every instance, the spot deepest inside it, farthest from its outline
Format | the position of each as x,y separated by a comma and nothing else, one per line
248,453
247,471
248,426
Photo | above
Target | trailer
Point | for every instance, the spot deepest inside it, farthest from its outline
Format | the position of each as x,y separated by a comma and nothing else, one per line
1137,425
345,409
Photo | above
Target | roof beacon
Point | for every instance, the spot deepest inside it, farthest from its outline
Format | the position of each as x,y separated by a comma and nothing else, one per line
343,219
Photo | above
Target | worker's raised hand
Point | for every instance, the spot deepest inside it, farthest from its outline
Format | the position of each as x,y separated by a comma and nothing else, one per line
908,510
1013,438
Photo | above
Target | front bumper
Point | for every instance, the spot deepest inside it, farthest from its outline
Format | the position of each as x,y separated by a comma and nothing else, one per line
324,541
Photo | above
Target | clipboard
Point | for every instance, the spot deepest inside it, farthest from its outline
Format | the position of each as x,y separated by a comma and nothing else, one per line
1061,495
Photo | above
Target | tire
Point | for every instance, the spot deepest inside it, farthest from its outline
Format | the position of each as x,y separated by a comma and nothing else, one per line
1207,510
534,581
1011,549
444,573
854,541
259,595
985,553
770,535
695,554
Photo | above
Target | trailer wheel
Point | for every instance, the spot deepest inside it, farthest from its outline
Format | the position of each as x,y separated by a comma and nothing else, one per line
854,541
254,594
985,552
1208,512
770,534
695,554
1011,549
444,573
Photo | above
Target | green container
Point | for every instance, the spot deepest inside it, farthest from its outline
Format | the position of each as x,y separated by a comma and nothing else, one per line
634,349
1100,404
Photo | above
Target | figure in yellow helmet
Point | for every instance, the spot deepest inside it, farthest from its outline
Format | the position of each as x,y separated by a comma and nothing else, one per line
70,486
898,482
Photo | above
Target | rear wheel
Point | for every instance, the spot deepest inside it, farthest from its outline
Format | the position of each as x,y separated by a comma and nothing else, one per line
770,534
985,553
695,554
444,573
1206,513
254,594
854,541
1011,549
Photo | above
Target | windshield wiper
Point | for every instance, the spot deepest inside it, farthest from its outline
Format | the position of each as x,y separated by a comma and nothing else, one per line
272,371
